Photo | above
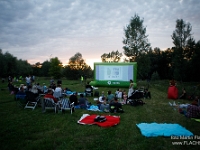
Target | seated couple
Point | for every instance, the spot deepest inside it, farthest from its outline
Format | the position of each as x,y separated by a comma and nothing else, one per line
82,102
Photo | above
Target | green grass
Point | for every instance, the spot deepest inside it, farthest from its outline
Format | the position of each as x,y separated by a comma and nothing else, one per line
27,129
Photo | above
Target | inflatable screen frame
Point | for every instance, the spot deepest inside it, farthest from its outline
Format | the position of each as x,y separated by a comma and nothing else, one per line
114,74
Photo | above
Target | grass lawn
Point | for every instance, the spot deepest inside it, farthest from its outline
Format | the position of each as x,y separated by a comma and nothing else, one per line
26,129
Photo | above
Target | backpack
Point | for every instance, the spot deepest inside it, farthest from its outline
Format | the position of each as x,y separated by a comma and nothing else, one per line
99,118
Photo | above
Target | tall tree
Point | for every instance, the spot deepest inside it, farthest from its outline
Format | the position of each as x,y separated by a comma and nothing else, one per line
55,68
181,34
180,38
135,40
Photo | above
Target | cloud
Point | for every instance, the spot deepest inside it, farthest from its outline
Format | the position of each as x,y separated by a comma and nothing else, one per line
34,29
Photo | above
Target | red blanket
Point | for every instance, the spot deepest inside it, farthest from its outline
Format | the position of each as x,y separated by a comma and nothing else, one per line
89,120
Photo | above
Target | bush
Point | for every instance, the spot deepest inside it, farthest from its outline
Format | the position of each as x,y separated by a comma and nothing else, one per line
155,76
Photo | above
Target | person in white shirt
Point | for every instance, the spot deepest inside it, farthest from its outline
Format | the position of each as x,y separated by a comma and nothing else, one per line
119,95
58,88
28,80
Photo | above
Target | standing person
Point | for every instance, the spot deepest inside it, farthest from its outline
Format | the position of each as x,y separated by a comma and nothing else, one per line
9,79
119,95
32,78
28,80
20,78
81,79
124,96
10,87
130,90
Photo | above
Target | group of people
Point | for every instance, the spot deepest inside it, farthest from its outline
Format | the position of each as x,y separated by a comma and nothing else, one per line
106,102
110,102
191,110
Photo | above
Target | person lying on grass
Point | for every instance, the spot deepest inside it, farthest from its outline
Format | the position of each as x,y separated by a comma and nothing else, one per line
190,110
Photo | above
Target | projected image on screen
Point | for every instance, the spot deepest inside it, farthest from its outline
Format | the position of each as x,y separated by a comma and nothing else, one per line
114,74
122,73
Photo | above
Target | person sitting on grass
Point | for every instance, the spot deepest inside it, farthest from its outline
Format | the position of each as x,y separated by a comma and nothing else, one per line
110,96
115,106
74,98
21,91
147,93
83,102
183,95
49,94
104,107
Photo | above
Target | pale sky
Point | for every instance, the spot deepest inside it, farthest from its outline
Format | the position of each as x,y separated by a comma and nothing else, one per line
36,30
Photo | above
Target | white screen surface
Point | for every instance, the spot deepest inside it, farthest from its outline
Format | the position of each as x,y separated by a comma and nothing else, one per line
114,72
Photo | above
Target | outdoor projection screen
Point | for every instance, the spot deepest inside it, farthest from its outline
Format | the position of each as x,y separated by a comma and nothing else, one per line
114,74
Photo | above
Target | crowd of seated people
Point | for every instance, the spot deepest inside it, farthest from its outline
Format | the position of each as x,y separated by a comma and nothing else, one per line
105,101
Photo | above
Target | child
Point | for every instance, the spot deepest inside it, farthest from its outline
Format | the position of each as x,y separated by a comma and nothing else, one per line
124,97
119,95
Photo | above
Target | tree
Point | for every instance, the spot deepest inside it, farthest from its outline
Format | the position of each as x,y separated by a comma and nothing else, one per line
144,63
181,34
55,68
77,67
3,72
45,68
111,57
135,40
10,64
180,38
23,68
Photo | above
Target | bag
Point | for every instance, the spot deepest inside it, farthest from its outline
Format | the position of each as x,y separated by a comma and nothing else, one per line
100,118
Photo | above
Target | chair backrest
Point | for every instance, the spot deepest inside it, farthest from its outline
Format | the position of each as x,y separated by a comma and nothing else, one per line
49,102
32,97
65,103
88,90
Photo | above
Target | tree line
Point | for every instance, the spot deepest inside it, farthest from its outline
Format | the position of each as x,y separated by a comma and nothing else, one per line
181,62
11,66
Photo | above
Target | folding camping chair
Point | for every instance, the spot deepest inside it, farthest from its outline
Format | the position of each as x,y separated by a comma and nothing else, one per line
65,105
33,99
89,91
48,103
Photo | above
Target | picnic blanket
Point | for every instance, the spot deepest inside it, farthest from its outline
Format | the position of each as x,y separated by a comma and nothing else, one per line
89,120
164,129
93,108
